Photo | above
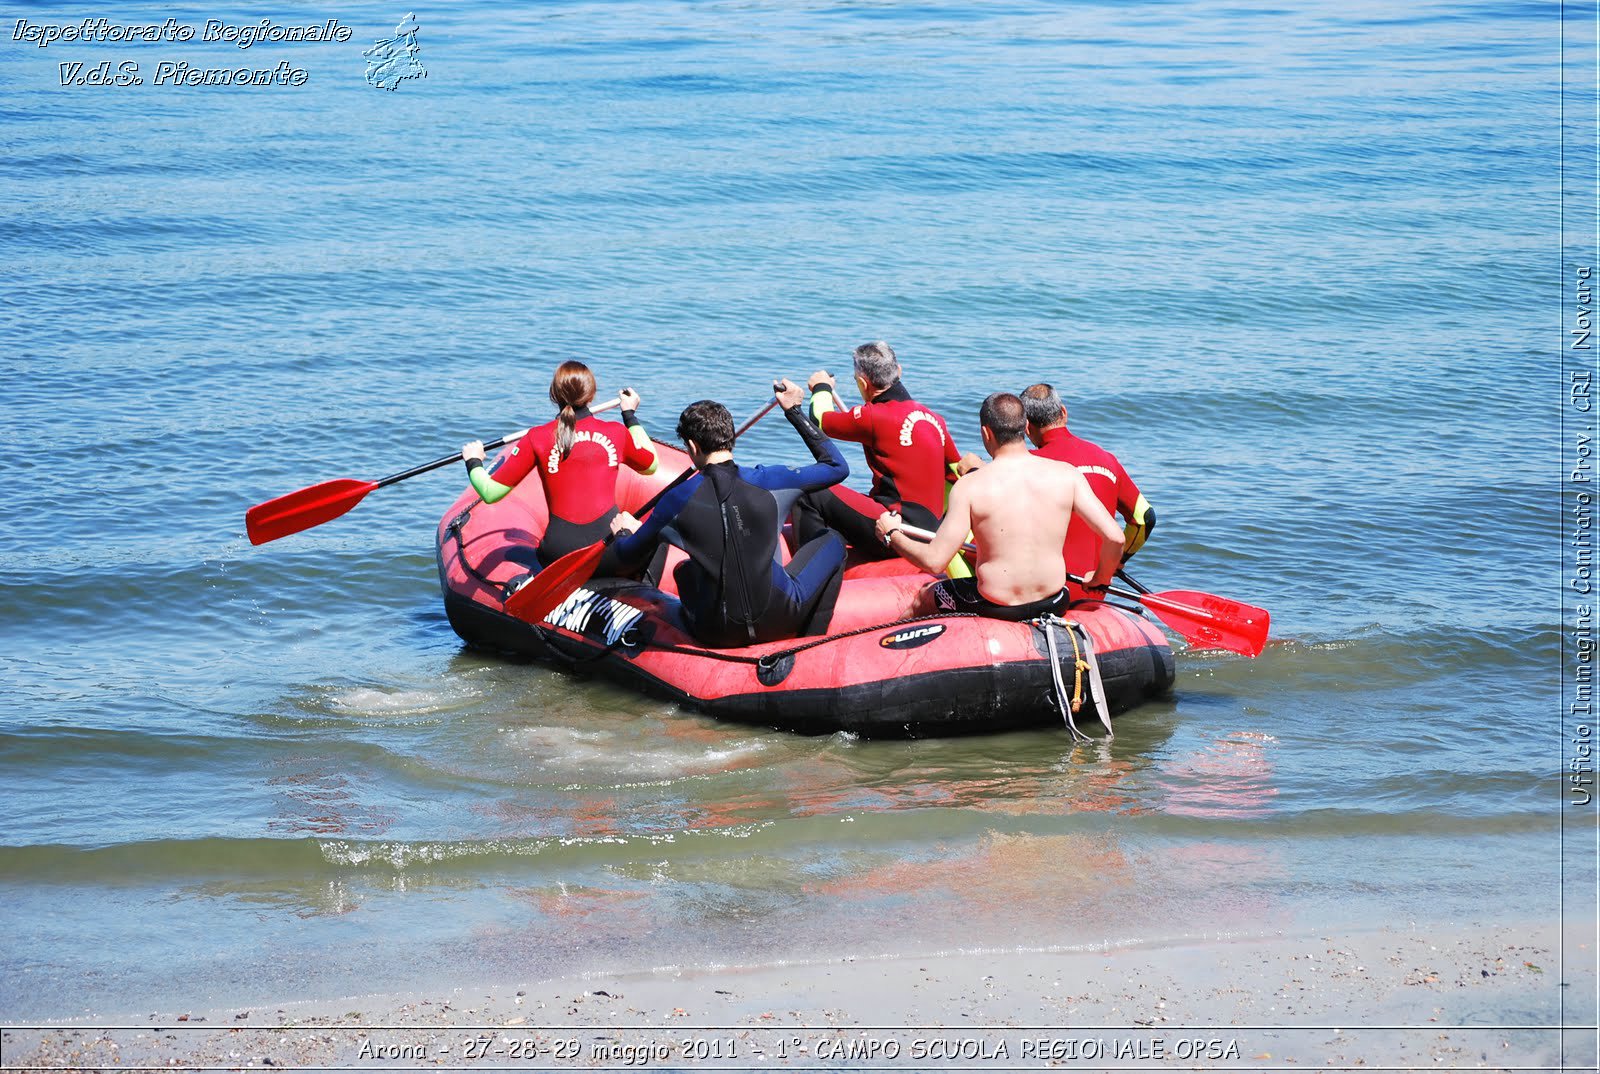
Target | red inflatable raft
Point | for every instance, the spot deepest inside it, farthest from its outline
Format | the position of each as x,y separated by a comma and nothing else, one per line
876,673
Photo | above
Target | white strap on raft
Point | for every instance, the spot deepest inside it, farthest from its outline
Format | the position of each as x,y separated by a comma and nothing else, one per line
1097,689
1063,698
1083,661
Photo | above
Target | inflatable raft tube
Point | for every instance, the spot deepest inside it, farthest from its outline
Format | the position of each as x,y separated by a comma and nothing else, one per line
876,673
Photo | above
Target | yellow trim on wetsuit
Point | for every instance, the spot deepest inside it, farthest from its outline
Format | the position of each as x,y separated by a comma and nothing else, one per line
1138,527
821,403
642,441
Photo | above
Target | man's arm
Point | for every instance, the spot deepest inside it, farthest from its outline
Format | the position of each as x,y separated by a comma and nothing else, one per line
830,467
822,391
1086,505
635,545
936,554
1140,516
844,424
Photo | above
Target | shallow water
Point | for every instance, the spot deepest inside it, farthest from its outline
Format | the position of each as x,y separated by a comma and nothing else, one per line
1292,266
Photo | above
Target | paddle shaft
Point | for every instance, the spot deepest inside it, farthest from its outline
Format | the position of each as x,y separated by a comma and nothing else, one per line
927,535
1126,577
489,445
763,412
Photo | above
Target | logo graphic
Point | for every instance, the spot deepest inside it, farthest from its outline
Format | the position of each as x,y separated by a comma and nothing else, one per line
391,62
583,436
910,426
910,639
590,615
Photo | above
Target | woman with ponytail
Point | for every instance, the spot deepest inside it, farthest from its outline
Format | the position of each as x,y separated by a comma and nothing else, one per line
577,456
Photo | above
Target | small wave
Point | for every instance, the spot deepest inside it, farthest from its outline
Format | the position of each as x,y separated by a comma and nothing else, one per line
586,753
379,701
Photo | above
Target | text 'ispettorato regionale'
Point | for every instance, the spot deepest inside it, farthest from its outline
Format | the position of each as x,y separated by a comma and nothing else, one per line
102,31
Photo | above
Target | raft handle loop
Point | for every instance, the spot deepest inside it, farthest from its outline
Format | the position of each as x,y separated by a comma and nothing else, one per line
454,529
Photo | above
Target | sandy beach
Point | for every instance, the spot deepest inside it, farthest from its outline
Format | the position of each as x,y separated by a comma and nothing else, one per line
1441,998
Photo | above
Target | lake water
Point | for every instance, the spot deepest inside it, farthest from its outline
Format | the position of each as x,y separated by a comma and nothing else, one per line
1296,267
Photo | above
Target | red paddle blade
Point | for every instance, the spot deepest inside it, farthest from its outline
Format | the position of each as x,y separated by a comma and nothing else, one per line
544,594
301,510
1208,621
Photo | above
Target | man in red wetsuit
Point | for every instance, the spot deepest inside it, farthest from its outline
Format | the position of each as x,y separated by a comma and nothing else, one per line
908,447
1047,428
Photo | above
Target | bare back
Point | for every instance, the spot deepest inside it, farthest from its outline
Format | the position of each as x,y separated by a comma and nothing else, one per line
1019,506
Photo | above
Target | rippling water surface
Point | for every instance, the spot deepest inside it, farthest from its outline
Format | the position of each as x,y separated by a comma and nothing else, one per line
1283,262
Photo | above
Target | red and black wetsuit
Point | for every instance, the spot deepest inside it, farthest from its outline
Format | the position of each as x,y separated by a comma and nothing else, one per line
581,489
909,450
1112,487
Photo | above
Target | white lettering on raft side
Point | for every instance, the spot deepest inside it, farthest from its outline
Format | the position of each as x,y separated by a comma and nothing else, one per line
577,611
583,436
909,426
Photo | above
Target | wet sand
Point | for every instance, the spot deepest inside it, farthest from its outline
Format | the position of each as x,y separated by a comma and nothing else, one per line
1437,997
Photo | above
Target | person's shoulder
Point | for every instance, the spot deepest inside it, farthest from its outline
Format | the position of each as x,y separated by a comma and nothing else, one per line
1049,468
1094,451
540,434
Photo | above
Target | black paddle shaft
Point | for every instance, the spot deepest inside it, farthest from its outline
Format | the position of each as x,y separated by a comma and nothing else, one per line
436,463
488,445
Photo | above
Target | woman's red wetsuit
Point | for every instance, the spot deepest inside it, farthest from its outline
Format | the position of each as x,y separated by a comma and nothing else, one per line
581,489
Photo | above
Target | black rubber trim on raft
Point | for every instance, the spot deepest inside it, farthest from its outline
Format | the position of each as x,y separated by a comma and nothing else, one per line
953,701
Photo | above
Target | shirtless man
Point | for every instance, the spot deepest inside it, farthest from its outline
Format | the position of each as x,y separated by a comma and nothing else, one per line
1017,508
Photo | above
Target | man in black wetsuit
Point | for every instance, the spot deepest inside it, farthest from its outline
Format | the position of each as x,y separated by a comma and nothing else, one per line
729,518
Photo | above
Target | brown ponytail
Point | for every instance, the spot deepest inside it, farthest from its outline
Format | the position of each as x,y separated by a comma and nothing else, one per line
570,388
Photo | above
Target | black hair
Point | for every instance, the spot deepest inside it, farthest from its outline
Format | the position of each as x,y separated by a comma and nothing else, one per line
1003,416
708,424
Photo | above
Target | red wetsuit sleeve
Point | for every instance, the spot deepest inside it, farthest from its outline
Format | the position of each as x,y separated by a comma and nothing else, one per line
952,454
1127,491
519,464
849,425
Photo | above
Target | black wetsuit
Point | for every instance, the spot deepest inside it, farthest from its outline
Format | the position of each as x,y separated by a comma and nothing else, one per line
729,519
